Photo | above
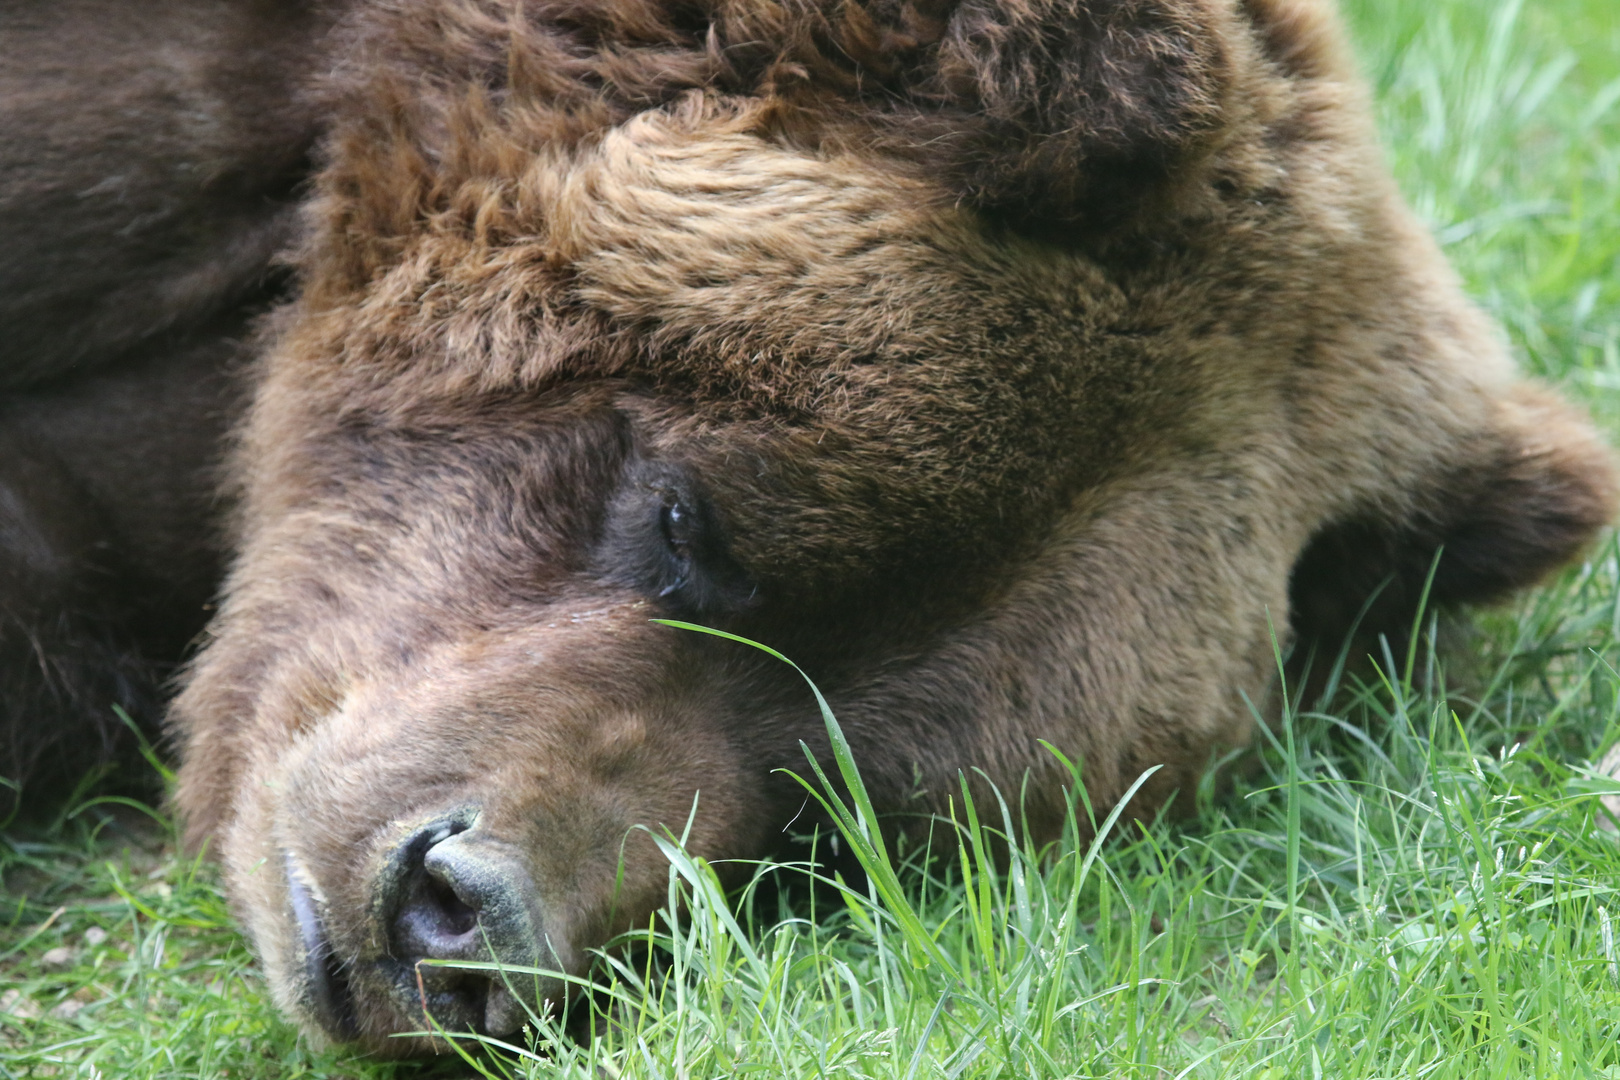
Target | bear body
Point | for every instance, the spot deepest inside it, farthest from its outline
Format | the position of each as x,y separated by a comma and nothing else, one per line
1019,367
148,160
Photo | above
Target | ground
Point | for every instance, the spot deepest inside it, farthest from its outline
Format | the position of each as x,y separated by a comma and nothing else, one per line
1411,885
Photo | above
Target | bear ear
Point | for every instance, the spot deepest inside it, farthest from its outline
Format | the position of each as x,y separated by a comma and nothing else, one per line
1551,486
1038,109
1540,487
1082,102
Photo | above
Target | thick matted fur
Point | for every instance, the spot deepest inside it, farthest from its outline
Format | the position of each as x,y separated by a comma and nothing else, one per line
1014,365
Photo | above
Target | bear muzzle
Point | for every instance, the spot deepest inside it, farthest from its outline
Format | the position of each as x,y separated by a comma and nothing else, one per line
448,894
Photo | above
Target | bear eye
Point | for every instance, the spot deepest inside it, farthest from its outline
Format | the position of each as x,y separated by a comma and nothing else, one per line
679,529
678,524
663,538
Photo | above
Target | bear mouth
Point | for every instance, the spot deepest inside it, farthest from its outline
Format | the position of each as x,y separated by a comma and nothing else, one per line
325,992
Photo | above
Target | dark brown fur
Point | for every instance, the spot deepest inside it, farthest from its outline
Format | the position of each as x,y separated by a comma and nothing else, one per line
147,169
1013,366
148,155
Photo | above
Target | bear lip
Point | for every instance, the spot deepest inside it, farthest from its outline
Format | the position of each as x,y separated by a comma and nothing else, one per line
326,991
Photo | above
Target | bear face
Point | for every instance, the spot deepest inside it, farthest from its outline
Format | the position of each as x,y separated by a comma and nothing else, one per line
1016,368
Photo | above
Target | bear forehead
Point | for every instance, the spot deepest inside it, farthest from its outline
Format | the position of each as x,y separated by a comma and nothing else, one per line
684,238
727,240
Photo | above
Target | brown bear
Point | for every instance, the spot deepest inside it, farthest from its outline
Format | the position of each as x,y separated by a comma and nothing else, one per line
1016,366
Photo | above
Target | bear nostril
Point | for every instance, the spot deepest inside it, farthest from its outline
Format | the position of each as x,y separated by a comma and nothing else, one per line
433,922
458,917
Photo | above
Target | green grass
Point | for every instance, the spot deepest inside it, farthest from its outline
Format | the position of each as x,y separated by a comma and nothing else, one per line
1410,887
1503,124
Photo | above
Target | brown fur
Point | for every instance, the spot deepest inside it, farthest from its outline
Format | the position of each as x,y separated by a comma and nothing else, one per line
146,172
109,552
148,155
1014,366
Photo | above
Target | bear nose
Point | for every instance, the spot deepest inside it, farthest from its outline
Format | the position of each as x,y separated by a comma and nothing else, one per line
460,895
